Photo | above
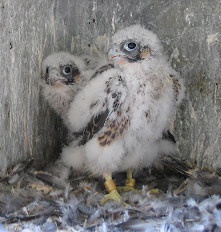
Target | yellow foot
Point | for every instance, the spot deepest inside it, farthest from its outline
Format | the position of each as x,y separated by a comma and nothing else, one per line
113,195
129,185
127,189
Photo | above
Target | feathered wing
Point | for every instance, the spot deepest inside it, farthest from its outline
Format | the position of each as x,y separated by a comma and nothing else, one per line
88,103
94,125
168,141
96,104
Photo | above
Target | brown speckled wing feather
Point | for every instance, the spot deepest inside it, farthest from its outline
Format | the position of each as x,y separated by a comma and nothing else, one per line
114,129
102,69
95,124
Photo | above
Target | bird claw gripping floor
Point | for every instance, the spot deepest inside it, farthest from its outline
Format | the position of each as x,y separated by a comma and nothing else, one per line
113,195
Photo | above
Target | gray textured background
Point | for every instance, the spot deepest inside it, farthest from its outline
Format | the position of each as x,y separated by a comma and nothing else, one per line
29,30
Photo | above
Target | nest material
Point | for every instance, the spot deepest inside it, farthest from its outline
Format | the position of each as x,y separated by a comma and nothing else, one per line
174,197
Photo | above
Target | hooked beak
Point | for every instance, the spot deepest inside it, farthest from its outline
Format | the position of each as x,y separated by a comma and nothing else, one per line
54,77
116,55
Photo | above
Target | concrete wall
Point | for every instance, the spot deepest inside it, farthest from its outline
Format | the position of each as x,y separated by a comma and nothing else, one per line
29,30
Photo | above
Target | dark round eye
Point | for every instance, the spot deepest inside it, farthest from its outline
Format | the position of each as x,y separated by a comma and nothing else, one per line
130,46
66,70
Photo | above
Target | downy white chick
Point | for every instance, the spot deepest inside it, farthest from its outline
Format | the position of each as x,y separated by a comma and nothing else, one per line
64,74
123,114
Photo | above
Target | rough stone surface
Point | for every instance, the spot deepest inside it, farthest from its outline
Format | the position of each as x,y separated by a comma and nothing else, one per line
29,30
28,128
